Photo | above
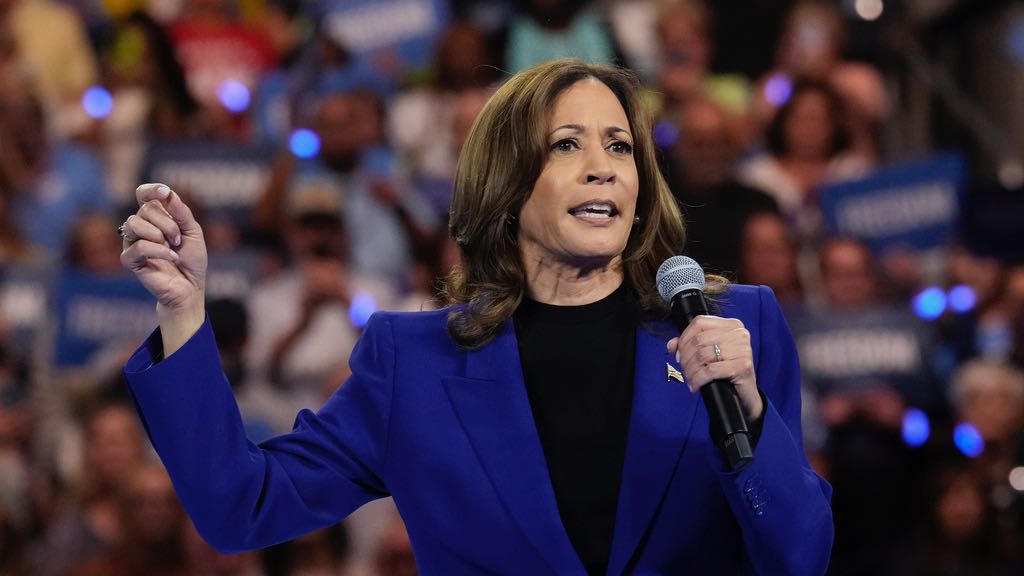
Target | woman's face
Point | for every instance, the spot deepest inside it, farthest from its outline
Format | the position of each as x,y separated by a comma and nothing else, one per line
581,209
810,128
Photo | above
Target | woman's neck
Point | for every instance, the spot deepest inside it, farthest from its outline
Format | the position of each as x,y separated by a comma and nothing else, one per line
571,284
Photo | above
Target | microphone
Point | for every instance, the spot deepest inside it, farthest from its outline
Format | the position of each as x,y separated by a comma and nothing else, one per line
681,283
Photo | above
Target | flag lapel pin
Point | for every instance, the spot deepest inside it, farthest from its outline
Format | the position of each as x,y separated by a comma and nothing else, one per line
673,374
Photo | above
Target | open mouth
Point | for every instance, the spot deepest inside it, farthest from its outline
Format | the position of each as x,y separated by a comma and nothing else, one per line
595,209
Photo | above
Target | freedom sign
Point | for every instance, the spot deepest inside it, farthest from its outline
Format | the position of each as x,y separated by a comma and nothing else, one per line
407,29
916,204
95,311
223,178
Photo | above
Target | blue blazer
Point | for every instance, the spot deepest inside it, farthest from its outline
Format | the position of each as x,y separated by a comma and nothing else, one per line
450,435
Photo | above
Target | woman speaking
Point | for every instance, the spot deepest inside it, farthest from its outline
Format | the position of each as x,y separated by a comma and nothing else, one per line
545,422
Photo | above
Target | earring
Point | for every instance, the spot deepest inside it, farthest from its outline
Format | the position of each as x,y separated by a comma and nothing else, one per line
636,220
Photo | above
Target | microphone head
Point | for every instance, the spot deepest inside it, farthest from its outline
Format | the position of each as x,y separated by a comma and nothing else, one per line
679,273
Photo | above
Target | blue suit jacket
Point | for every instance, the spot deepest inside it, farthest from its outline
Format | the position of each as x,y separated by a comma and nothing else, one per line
450,435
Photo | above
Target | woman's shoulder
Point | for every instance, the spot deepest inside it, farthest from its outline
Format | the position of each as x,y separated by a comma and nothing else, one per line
746,302
405,324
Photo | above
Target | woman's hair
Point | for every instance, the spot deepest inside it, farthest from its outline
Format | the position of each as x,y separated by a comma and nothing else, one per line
500,162
775,133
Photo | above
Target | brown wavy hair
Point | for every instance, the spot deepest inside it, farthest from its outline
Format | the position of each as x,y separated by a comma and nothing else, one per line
499,165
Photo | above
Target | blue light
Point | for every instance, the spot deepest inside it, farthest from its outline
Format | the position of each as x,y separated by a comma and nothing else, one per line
962,298
304,143
97,102
916,428
968,440
930,303
665,134
233,95
363,306
778,89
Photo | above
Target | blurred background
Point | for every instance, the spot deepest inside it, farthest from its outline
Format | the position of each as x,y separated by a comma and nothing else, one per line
863,158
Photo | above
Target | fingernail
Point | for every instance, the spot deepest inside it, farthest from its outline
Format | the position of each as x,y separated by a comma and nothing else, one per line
177,240
163,191
174,255
678,360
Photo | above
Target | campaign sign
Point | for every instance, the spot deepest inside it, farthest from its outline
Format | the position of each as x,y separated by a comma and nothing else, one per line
851,352
915,204
407,29
23,291
226,178
94,311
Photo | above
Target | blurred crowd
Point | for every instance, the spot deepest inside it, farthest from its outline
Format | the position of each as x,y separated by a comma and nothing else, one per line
317,142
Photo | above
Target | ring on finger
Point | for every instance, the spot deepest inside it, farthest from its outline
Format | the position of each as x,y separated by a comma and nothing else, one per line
718,353
122,230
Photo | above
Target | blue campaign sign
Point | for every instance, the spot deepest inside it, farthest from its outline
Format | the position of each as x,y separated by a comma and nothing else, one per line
221,177
916,204
407,29
93,312
23,291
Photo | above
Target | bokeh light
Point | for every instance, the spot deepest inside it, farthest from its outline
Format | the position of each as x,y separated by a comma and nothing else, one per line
1017,478
97,102
869,10
968,440
962,298
233,95
304,143
930,303
363,306
778,89
665,134
916,427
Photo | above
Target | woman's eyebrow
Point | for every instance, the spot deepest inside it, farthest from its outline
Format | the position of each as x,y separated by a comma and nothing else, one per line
609,131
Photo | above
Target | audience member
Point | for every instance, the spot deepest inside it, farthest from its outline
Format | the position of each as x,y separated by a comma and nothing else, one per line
700,172
961,533
768,256
989,395
548,29
153,530
427,125
686,44
806,147
51,183
866,362
91,523
379,208
52,43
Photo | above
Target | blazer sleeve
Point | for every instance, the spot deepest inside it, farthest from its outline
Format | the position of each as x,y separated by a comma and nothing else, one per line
243,496
781,504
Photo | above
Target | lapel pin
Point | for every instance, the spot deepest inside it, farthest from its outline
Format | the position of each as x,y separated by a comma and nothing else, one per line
673,373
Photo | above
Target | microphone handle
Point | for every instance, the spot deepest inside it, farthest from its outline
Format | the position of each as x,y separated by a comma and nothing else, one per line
729,429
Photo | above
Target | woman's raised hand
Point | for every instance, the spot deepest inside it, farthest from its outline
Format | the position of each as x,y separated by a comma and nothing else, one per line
164,247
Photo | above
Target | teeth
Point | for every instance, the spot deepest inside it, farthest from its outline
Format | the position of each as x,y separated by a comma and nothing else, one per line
594,210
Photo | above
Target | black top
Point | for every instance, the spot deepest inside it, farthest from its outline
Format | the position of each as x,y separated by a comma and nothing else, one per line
578,366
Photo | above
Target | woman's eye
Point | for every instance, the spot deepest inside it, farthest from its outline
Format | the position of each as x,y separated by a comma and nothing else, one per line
565,145
620,147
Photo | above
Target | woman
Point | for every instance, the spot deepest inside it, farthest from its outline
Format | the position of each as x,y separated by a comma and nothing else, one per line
537,425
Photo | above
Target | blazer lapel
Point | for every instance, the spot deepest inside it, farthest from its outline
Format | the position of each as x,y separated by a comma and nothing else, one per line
663,411
493,408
